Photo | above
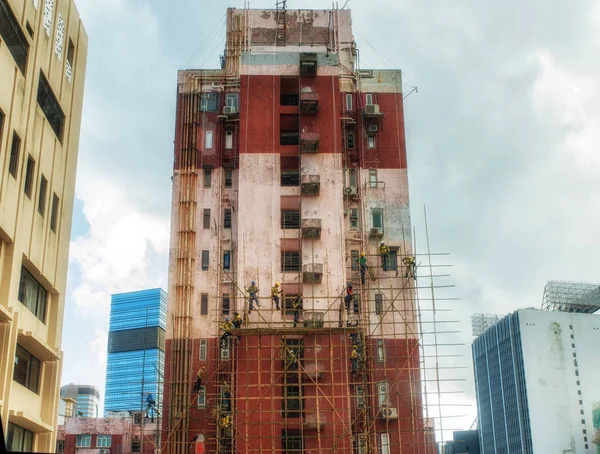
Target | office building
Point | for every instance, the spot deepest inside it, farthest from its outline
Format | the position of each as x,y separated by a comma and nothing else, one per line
136,356
536,375
43,51
289,162
87,399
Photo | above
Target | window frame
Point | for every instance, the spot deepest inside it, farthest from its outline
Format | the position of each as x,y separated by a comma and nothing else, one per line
51,108
354,258
208,139
205,260
27,437
234,97
383,394
360,396
393,260
374,213
79,438
202,349
101,440
201,403
203,303
42,193
229,139
373,178
29,171
207,177
352,177
370,142
289,178
288,259
41,305
287,304
227,218
348,102
228,177
54,212
350,139
354,218
291,404
292,441
384,446
209,102
19,50
369,98
227,260
226,304
378,303
206,218
15,151
380,350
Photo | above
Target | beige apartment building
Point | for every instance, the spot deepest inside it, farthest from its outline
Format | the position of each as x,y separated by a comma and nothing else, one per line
43,51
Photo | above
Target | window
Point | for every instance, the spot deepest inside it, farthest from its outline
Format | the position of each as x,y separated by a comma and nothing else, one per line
60,445
371,142
377,216
290,261
289,130
209,102
289,91
59,42
227,260
232,101
292,402
360,444
103,441
42,199
29,176
227,218
135,444
48,10
33,295
208,140
383,397
84,441
288,304
228,140
350,140
18,439
203,349
202,397
204,304
373,178
27,369
352,177
348,101
2,118
380,352
290,219
206,218
378,303
393,260
369,99
353,218
51,107
294,352
14,154
290,178
228,177
54,213
13,36
205,258
29,28
354,259
360,396
384,447
291,441
70,53
225,349
226,307
207,177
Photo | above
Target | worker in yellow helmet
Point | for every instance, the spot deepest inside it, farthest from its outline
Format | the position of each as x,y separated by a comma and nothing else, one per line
409,261
275,292
362,265
384,252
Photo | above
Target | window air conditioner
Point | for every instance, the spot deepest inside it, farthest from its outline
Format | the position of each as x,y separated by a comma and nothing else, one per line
229,110
373,128
376,232
389,413
351,190
372,109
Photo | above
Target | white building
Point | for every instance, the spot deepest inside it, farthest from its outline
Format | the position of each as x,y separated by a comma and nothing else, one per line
536,377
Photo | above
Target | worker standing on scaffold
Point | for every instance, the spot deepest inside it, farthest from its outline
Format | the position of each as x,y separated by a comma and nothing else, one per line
227,327
275,292
355,359
409,261
296,307
362,265
384,252
253,291
348,299
198,382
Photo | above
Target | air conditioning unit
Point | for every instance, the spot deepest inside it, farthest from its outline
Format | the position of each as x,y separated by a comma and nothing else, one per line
389,413
373,128
351,191
372,109
103,451
376,232
229,110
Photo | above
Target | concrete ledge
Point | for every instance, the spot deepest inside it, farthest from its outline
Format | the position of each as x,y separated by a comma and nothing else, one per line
5,314
29,422
36,346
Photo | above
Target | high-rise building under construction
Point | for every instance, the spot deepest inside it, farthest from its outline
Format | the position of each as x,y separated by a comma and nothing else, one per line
290,162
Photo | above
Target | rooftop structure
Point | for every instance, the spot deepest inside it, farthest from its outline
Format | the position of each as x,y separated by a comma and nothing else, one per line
566,296
87,399
481,322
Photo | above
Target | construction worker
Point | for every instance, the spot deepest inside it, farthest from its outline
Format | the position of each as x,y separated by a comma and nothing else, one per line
224,422
150,405
409,261
384,252
275,292
237,320
226,398
355,359
297,307
227,327
253,291
348,298
198,383
362,266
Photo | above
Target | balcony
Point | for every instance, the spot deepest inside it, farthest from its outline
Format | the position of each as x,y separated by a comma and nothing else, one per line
314,420
309,102
311,229
311,185
312,273
309,142
308,64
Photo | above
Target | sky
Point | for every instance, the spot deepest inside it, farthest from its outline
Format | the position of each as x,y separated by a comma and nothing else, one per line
500,140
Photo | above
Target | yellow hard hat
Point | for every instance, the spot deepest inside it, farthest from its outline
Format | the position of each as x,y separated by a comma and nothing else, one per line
276,284
362,254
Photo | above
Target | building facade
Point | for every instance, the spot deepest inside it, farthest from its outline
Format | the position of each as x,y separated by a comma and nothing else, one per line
136,341
536,382
87,399
108,436
289,162
43,55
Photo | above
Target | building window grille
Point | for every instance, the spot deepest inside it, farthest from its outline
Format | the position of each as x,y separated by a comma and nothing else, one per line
360,396
135,445
205,257
290,219
13,37
33,295
227,218
354,218
290,261
18,439
51,107
292,441
228,178
290,178
292,402
84,441
203,349
393,266
206,219
204,304
15,148
226,304
350,140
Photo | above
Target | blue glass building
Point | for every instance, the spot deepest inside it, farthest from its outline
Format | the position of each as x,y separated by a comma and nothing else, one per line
136,349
